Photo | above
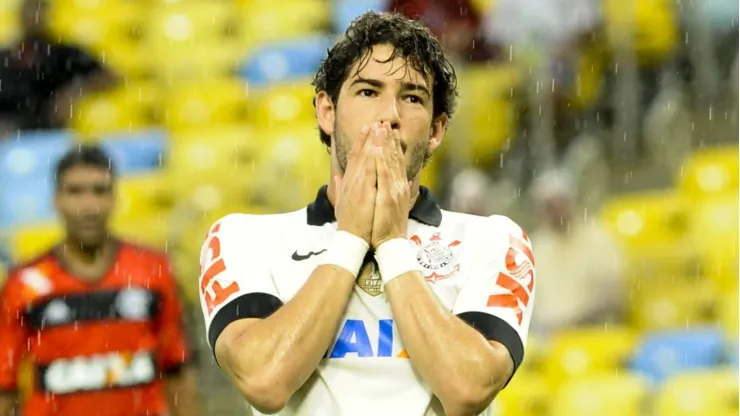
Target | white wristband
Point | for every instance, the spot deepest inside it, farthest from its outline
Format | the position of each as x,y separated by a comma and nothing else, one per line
396,257
347,251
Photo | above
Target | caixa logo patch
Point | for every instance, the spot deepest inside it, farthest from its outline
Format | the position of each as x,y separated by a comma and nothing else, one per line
97,372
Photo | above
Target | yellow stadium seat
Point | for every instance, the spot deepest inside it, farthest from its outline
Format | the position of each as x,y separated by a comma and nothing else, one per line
264,21
728,313
610,394
709,172
30,241
653,22
296,165
90,23
122,108
205,103
487,109
708,392
652,227
151,231
659,304
714,234
193,39
284,103
9,21
526,395
212,167
578,352
141,195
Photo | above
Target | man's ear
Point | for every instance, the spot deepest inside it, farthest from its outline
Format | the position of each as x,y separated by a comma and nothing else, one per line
439,127
325,112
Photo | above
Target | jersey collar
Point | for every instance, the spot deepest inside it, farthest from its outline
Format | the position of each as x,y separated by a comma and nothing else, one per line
426,210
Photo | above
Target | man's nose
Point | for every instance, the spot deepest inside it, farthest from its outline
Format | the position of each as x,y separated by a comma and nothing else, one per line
390,114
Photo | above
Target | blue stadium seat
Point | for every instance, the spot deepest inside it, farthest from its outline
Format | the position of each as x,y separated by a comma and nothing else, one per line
663,354
721,15
344,11
136,152
286,60
26,176
23,204
30,158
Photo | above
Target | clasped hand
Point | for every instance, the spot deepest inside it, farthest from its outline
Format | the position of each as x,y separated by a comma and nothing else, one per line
374,196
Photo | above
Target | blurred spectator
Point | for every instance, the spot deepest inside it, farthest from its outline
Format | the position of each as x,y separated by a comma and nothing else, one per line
41,77
456,23
470,190
578,264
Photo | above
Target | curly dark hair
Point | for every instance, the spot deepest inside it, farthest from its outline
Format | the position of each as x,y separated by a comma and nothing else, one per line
409,38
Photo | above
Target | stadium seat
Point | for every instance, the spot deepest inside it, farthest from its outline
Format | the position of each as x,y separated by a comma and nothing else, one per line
136,152
33,240
142,195
720,16
487,112
709,171
9,22
220,101
699,393
212,167
92,23
526,395
666,303
653,22
281,104
728,314
285,60
295,166
267,21
149,230
578,352
610,394
662,354
193,40
344,11
27,162
125,108
652,227
714,235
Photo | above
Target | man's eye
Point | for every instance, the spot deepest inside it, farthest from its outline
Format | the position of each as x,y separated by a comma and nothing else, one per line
367,93
414,99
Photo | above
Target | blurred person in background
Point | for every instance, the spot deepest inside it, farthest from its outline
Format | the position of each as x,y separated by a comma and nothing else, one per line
41,77
456,23
578,264
470,192
94,326
358,303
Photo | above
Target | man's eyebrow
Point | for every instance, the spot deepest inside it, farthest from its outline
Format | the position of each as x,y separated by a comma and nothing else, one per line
406,86
410,86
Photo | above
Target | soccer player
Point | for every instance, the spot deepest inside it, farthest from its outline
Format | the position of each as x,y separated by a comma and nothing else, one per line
371,300
94,325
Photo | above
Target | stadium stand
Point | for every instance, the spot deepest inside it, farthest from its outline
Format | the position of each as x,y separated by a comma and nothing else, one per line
216,116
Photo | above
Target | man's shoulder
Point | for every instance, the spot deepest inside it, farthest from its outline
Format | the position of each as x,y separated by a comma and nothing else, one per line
497,224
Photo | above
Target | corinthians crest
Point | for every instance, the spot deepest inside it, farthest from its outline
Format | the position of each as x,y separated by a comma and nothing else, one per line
438,257
369,278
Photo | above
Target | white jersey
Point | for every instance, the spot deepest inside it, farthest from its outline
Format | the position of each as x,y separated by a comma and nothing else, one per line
480,268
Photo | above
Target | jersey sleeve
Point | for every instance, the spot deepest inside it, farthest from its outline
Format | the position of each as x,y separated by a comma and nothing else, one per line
172,350
497,298
235,277
13,332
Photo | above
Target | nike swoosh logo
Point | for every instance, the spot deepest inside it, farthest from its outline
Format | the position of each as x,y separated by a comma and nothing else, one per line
298,257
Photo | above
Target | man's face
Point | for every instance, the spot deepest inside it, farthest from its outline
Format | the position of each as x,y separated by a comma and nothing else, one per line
390,91
84,201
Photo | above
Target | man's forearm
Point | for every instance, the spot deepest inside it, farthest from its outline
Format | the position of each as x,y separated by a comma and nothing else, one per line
457,362
282,351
